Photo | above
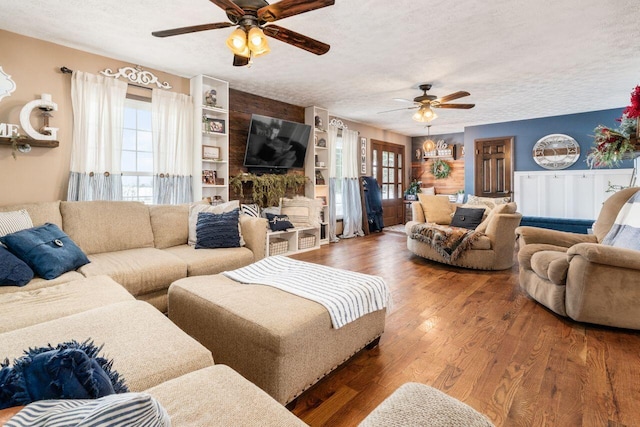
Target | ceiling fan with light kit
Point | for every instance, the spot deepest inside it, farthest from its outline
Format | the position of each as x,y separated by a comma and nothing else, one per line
253,19
425,104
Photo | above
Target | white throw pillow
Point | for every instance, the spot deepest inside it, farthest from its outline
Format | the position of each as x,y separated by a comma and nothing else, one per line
13,221
490,202
196,208
301,211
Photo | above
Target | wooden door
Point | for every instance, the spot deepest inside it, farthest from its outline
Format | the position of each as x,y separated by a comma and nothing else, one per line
494,167
388,170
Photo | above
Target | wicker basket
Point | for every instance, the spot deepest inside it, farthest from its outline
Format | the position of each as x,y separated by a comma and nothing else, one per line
306,241
278,246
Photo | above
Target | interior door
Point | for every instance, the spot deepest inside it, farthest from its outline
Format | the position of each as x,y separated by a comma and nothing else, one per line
388,169
494,167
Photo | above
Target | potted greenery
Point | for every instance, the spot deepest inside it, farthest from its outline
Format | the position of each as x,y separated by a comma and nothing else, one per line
411,193
611,146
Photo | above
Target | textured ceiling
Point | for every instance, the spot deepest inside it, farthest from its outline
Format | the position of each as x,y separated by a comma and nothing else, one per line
519,59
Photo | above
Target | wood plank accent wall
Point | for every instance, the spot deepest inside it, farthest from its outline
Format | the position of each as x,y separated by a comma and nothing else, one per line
421,169
241,106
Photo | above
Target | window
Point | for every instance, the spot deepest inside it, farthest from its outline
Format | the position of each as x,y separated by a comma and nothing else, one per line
137,152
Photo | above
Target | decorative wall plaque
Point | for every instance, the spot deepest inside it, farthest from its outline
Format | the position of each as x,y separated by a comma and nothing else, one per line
6,84
556,151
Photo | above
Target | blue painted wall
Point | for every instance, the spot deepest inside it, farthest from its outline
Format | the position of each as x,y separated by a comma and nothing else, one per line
527,132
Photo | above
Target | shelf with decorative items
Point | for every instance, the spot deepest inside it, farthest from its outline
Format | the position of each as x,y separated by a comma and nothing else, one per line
211,138
318,160
293,240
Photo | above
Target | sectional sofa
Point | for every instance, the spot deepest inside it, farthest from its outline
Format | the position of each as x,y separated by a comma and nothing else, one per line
143,248
117,301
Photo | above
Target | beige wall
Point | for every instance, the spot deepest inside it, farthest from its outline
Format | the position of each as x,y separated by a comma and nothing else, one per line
371,132
34,66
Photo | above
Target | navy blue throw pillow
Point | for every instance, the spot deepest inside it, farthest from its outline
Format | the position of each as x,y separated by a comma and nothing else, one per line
278,222
218,230
468,218
46,249
70,370
13,271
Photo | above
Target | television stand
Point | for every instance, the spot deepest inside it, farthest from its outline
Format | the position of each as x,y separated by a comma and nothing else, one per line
264,171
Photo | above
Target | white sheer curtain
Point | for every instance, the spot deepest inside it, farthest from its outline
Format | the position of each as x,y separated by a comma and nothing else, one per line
351,200
331,146
98,118
172,127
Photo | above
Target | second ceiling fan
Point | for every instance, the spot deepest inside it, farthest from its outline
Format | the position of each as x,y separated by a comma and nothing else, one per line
251,18
424,103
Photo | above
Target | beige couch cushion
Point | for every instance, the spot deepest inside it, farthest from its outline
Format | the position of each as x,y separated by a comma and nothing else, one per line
219,396
551,265
196,208
40,213
170,225
202,262
507,208
146,348
437,209
99,226
140,271
39,282
33,306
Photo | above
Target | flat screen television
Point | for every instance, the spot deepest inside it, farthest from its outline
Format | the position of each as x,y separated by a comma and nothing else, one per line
275,144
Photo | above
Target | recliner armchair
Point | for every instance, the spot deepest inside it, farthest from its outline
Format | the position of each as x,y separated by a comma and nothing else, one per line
576,276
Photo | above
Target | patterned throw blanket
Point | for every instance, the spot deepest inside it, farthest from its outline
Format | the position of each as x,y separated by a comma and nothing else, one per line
346,295
450,242
625,231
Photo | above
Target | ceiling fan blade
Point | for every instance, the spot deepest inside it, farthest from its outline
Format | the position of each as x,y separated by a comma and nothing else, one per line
296,39
240,61
403,100
400,109
230,7
451,97
286,8
192,29
461,106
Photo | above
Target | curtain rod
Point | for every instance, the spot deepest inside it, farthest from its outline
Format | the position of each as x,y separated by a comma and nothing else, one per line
66,70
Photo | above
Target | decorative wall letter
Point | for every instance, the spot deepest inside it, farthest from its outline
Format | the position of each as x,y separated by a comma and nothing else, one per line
44,104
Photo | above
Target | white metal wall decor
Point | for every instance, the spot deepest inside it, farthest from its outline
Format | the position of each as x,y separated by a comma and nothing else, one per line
6,84
363,156
136,75
556,151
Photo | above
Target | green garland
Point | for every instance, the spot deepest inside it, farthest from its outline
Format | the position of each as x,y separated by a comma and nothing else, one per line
440,169
267,189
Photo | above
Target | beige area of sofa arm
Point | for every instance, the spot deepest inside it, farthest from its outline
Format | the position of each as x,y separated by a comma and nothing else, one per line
530,235
254,233
607,255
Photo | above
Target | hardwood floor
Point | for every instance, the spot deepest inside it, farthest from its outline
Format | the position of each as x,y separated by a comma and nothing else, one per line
477,337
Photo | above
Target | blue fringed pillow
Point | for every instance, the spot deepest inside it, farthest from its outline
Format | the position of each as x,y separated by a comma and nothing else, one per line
46,249
13,271
218,230
279,222
70,370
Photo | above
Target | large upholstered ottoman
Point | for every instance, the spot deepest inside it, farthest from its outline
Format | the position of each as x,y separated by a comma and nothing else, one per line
281,342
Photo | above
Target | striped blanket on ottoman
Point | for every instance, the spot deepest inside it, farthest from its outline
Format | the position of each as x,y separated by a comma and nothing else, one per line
347,295
625,231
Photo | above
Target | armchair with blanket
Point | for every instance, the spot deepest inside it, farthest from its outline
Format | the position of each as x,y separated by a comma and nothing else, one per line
586,277
488,246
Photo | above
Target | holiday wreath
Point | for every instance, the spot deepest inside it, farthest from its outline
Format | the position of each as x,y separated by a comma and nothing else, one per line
440,169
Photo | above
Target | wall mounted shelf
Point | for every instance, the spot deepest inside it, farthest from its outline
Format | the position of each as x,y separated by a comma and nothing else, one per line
31,142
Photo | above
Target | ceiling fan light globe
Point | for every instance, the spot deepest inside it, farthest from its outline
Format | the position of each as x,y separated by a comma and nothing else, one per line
237,42
258,42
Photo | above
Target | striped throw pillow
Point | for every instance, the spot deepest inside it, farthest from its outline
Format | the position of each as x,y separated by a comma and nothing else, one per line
13,221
